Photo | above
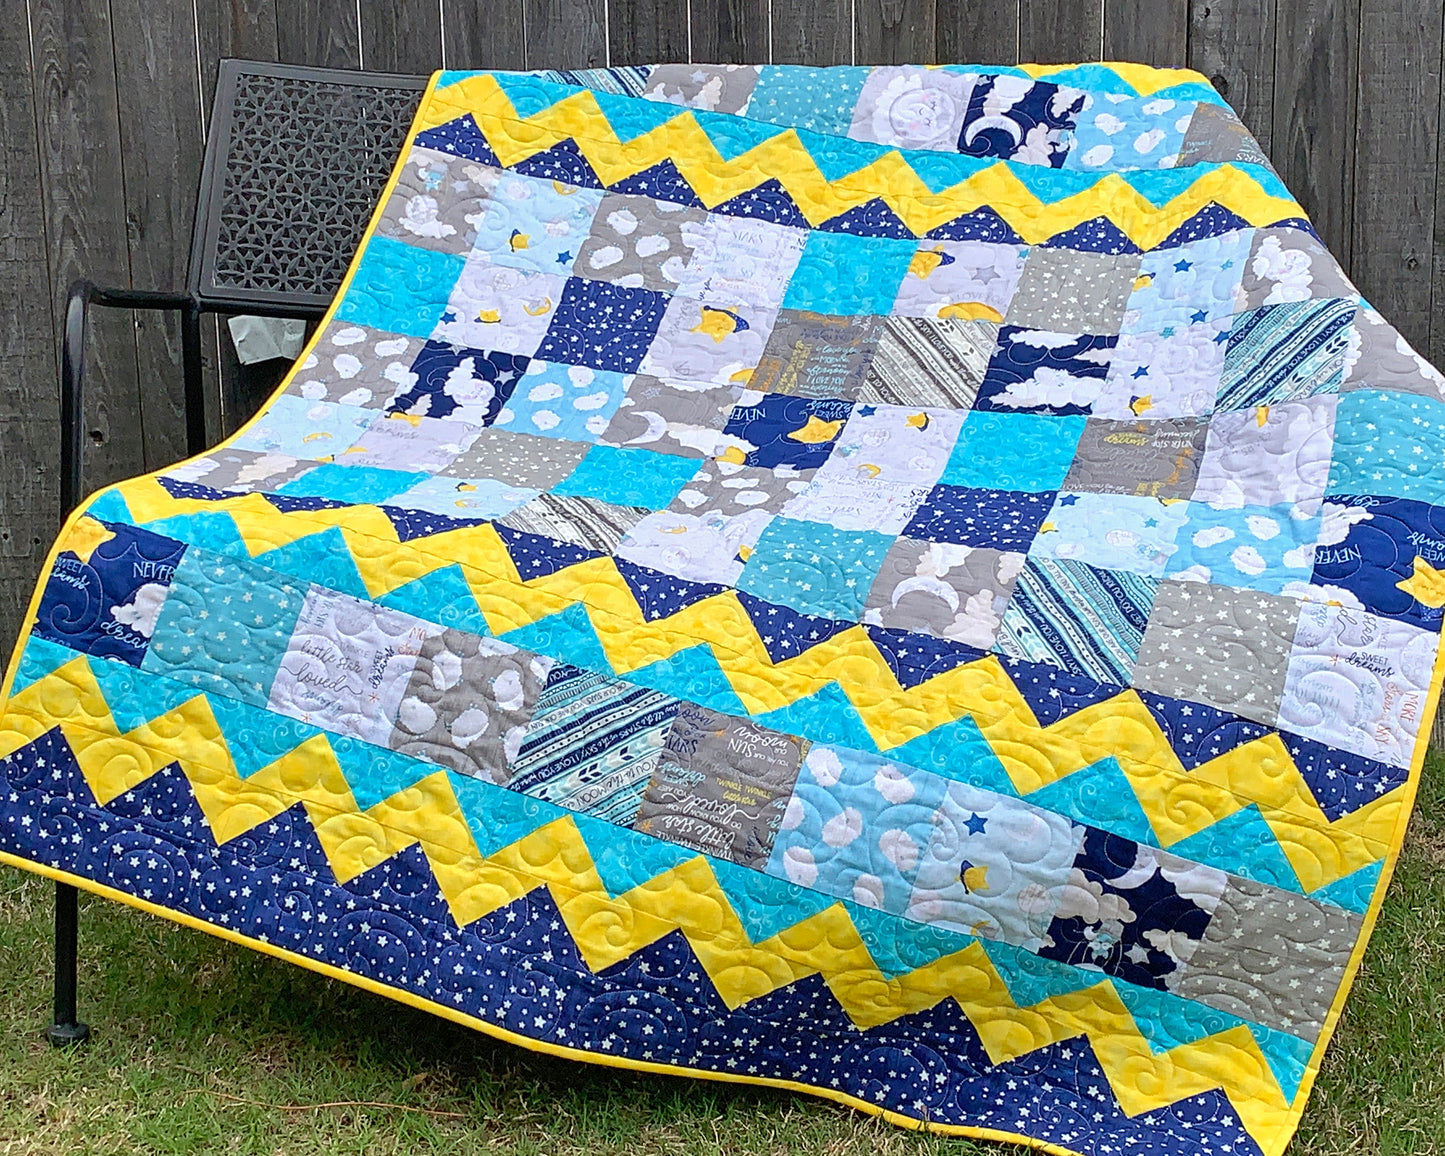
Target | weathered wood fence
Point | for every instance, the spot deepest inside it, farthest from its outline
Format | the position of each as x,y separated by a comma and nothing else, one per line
103,107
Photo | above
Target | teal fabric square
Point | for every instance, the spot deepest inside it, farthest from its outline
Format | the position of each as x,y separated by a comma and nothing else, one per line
400,288
1386,445
820,99
814,568
573,402
224,626
628,477
358,485
841,273
1014,451
1252,547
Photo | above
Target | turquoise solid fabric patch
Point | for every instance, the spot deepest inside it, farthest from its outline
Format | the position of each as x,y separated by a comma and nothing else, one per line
1013,451
628,477
841,273
400,288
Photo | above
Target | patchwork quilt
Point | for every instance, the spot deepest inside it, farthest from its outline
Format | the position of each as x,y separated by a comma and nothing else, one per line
916,585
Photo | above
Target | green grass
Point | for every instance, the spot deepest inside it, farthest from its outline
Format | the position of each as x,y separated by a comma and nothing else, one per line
205,1047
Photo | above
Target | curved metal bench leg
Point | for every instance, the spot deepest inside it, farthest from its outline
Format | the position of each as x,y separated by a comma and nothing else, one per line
67,1029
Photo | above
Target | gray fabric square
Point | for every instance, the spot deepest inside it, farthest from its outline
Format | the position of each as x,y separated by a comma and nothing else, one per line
1216,135
356,365
727,489
522,460
1068,291
585,522
242,470
936,363
467,704
714,87
1272,957
640,242
1380,358
1288,265
669,420
1224,647
721,786
1152,459
817,354
435,193
954,592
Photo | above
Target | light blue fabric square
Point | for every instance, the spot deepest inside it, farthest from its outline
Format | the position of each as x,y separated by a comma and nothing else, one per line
530,223
1250,547
301,428
1385,445
225,626
857,827
465,497
1188,285
1013,451
628,477
843,274
571,402
400,288
1111,532
1129,132
820,99
814,568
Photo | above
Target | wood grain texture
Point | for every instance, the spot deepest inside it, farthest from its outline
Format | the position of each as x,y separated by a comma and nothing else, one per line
401,35
895,31
978,31
245,29
78,126
565,33
1232,43
161,160
323,33
1398,112
647,31
483,34
1146,31
1061,31
29,388
1315,72
819,33
730,31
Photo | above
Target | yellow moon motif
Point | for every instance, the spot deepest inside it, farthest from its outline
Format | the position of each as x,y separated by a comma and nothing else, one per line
816,431
970,311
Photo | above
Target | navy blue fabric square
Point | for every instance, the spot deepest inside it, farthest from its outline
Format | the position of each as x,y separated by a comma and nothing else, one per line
1033,371
453,376
783,430
1130,874
1002,519
915,658
603,326
108,606
998,127
1379,552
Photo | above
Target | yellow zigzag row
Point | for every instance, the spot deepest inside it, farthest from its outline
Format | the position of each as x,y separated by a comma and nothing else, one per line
684,142
609,929
1177,802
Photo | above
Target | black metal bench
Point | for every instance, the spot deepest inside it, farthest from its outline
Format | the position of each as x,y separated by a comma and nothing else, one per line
295,161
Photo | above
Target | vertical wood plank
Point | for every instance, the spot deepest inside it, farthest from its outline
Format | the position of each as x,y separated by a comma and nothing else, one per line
158,87
241,28
1396,149
323,33
565,33
1232,43
646,32
816,32
84,195
401,35
29,389
483,34
1147,31
1061,31
730,31
895,31
978,31
1313,143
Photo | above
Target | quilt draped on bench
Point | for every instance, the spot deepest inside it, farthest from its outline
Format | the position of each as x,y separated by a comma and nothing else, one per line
916,585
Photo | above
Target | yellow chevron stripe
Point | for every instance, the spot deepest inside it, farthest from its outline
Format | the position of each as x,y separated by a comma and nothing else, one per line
609,929
1177,802
684,142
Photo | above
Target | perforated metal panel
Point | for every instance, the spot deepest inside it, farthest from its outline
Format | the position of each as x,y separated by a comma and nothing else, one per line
296,163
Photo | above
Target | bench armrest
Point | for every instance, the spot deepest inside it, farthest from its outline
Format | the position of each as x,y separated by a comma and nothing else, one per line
81,296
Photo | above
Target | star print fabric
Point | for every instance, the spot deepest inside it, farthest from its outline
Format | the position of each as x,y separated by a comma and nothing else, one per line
922,584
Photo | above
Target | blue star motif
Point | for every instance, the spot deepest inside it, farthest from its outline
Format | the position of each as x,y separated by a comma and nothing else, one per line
1182,266
1220,338
867,410
1199,315
564,257
449,316
1142,371
1069,500
975,824
1150,523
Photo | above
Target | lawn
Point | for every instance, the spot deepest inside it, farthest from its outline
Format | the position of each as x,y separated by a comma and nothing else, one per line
203,1047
